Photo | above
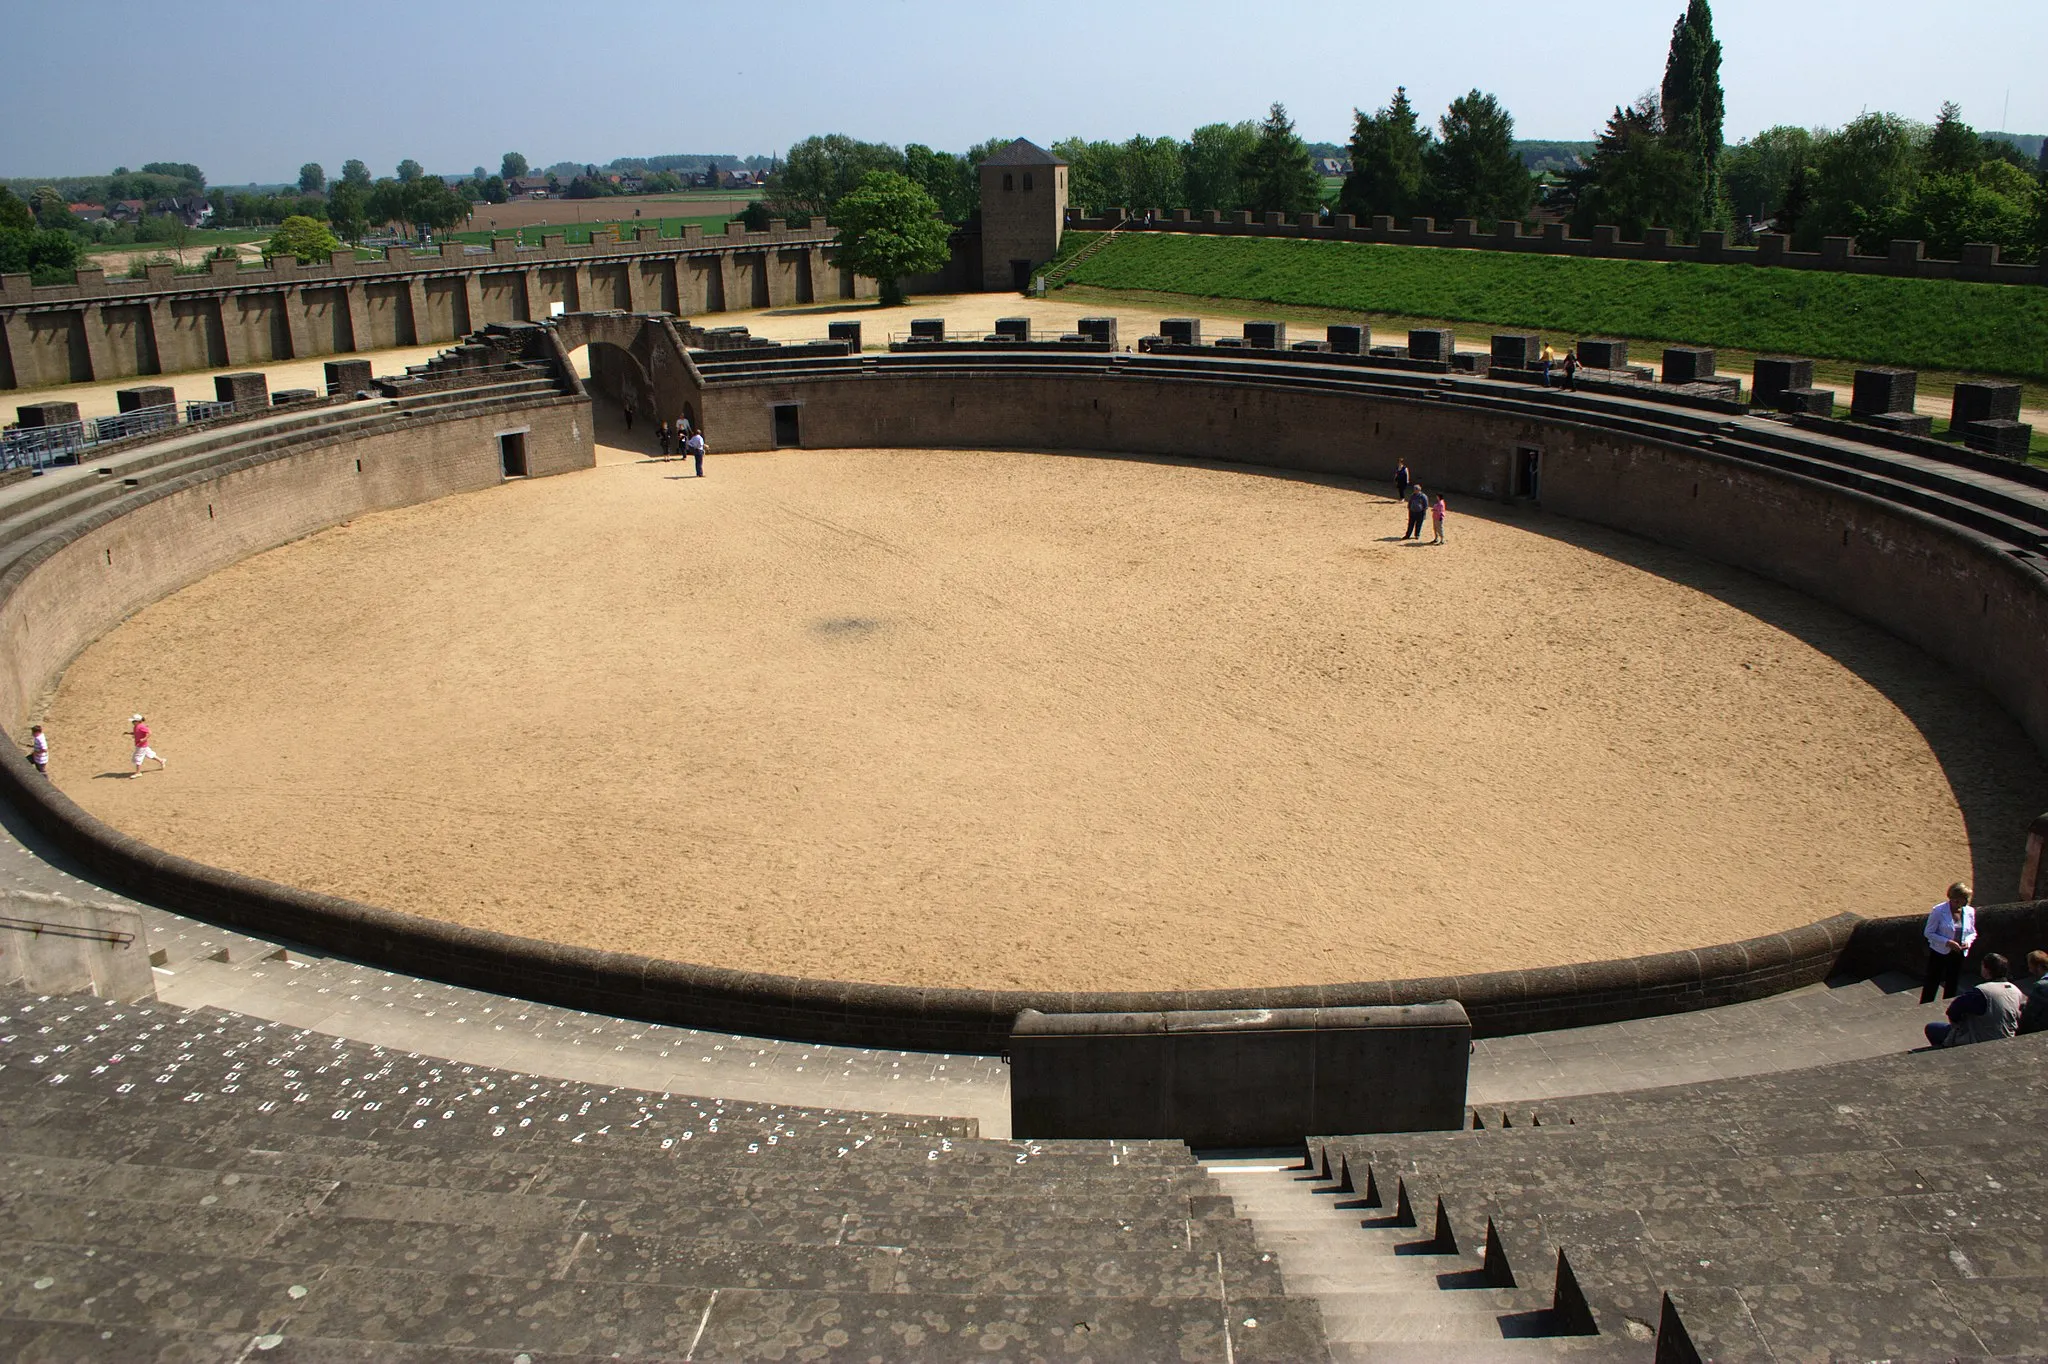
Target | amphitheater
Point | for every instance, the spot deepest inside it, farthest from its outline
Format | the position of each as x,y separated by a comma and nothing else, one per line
592,912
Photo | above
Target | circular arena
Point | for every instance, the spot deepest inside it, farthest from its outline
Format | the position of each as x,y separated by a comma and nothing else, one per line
977,681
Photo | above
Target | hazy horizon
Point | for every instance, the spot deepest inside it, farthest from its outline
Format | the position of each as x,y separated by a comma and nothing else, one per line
250,94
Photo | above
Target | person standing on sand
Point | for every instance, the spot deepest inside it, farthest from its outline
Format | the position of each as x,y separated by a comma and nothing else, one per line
661,434
39,750
1436,515
628,405
694,447
138,730
1418,507
1402,479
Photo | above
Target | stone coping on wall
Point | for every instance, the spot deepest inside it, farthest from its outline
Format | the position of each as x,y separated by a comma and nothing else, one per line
857,1013
342,267
1980,263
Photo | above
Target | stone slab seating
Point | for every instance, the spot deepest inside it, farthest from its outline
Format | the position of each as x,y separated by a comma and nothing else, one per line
346,378
1237,1078
205,1187
848,332
1472,362
1098,329
1998,436
247,391
1599,352
46,414
1892,1208
1348,338
1434,344
1181,331
928,328
145,396
1687,364
1884,397
1265,335
285,397
1982,400
1777,375
1818,402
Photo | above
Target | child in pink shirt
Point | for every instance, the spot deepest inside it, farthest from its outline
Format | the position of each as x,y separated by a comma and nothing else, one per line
1436,516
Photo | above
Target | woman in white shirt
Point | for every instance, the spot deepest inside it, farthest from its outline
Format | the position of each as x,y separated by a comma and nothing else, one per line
1951,932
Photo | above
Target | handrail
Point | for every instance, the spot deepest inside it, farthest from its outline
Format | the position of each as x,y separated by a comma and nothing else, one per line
39,927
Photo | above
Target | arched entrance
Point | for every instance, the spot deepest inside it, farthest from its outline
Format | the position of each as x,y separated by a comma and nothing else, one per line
622,401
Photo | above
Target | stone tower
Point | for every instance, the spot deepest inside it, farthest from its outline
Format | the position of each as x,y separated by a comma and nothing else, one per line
1023,210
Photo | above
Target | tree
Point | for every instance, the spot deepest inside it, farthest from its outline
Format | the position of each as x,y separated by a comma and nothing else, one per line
312,179
14,214
1636,178
1215,153
1994,203
1279,176
820,171
949,179
1472,170
46,256
512,166
889,228
409,170
1953,147
354,172
345,209
1693,108
492,190
1386,162
182,171
1797,203
306,238
1758,173
1863,177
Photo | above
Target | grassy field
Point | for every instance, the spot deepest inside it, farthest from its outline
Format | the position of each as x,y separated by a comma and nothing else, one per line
1987,329
578,233
202,239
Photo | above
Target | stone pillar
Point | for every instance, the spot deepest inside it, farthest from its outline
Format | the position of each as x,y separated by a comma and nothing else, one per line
536,304
358,316
579,285
636,287
14,335
93,323
718,287
294,302
416,306
472,301
232,350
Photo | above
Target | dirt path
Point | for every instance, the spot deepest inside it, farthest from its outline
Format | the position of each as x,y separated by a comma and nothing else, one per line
992,719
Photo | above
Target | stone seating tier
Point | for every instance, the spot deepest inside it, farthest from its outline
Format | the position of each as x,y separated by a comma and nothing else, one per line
199,1184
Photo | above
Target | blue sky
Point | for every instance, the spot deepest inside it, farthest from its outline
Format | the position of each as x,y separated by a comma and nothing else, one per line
251,91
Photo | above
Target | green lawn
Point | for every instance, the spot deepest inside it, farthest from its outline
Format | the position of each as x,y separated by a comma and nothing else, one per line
1987,329
201,239
576,234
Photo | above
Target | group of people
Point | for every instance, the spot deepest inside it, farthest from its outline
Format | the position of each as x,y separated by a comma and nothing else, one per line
1419,504
1571,366
138,733
679,437
1993,1008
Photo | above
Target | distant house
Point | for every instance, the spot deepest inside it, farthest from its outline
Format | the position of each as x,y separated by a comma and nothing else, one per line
527,187
126,210
87,213
1333,165
193,210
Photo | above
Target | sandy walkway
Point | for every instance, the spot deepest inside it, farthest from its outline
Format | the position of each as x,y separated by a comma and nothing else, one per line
1027,720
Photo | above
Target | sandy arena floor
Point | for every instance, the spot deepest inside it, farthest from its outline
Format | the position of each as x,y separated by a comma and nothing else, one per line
990,719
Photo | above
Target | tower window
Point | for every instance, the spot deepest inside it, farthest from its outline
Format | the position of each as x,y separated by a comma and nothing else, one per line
1027,182
1007,183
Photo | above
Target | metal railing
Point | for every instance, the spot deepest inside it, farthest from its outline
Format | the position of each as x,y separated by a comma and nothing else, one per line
41,926
39,447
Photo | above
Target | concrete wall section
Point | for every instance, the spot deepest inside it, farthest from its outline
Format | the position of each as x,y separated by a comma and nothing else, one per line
52,944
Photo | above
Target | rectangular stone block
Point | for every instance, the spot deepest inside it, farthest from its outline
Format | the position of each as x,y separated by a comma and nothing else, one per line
1347,338
1601,352
1310,346
1100,329
285,396
1239,1078
346,378
1884,389
928,328
1998,436
1472,362
1774,375
1687,364
1015,328
849,332
46,414
1979,401
1265,335
1812,402
1905,423
1181,331
144,396
1432,343
246,391
1516,350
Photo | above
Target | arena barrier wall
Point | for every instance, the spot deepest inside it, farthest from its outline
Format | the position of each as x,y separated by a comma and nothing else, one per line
1906,570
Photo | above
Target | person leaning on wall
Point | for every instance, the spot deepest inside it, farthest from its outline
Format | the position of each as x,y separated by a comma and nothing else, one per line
1951,932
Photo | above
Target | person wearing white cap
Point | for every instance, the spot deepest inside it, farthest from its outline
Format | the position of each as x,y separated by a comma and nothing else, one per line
138,730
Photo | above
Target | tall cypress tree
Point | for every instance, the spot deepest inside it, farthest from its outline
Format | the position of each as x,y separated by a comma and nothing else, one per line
1693,109
1386,162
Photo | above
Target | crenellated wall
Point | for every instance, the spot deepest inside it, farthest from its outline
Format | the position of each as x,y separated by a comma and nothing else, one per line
98,328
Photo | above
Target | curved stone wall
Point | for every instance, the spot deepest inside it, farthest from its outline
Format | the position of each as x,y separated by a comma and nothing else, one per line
1948,589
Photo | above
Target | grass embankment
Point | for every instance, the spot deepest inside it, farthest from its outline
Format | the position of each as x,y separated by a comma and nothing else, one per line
1987,329
576,234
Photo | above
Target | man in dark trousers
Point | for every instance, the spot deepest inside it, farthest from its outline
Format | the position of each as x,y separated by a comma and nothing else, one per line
1418,507
1402,478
